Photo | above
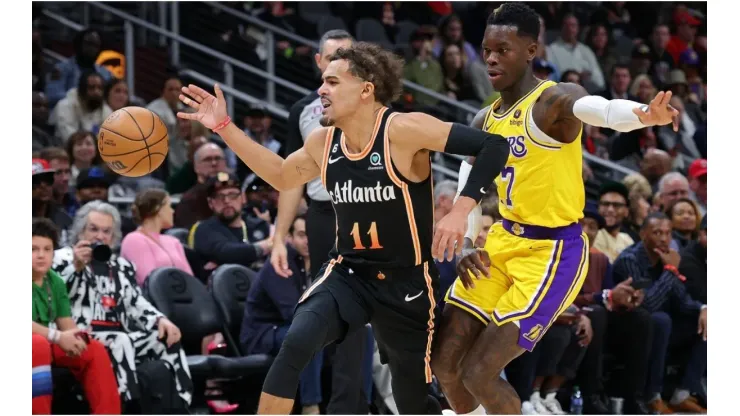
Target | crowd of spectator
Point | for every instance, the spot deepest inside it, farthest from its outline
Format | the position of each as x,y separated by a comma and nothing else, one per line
641,313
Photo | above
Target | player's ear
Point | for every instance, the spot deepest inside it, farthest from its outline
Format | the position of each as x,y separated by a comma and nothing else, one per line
367,90
532,51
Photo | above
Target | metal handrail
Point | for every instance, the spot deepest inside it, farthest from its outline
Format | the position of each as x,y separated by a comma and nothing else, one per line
204,49
63,20
282,32
53,55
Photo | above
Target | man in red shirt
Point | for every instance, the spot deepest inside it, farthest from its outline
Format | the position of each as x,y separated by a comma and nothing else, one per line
686,26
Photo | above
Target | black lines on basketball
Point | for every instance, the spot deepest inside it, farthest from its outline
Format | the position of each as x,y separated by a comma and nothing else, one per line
125,145
135,124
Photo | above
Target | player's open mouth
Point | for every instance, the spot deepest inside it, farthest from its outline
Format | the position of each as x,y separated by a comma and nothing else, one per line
493,76
326,105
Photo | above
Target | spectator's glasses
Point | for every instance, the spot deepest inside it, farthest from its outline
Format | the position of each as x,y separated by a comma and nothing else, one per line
615,205
93,229
681,193
230,197
39,179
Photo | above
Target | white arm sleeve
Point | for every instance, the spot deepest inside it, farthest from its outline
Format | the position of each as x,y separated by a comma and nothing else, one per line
614,114
475,215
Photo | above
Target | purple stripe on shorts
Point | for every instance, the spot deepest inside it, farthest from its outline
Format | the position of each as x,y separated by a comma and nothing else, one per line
535,232
564,283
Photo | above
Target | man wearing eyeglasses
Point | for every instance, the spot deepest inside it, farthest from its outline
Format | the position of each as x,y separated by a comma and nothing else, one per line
228,236
613,206
208,160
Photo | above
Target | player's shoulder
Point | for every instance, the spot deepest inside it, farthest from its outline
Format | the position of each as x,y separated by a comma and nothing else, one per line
561,90
319,135
480,117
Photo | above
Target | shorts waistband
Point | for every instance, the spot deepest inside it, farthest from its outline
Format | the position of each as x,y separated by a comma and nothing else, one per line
535,232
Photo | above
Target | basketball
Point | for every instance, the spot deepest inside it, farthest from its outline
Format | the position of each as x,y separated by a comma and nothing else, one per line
133,141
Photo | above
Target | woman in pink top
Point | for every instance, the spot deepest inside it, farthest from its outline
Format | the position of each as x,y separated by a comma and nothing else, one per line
147,248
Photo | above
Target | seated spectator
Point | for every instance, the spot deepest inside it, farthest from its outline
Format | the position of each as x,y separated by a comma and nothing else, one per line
538,375
83,108
542,53
638,184
185,177
146,248
639,207
59,161
598,39
698,183
451,32
686,26
619,82
225,237
268,313
444,197
568,53
643,89
66,75
685,219
456,80
166,107
571,76
655,165
43,205
256,123
662,60
641,60
116,94
423,69
93,184
260,207
106,299
672,187
615,310
83,153
58,341
694,264
681,141
653,265
542,69
610,240
43,133
193,207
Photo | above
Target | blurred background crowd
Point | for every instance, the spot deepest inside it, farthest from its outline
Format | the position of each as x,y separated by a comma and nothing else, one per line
170,275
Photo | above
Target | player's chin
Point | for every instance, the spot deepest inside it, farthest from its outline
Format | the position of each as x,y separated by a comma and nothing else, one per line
326,121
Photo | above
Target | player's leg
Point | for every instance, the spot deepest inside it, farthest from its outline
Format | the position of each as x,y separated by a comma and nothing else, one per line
547,276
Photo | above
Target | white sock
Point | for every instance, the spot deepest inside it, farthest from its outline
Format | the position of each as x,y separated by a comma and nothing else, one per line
477,411
551,396
535,397
679,395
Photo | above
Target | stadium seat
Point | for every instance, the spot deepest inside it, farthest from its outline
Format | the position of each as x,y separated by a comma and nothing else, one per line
313,11
329,22
370,30
405,29
180,234
230,285
186,302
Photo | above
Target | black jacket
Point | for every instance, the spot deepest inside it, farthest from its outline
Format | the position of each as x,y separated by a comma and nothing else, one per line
694,267
215,241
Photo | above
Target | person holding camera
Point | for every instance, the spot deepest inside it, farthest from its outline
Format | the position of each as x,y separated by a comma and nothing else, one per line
106,300
56,338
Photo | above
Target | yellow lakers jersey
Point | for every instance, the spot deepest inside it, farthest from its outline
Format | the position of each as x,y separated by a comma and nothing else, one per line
541,183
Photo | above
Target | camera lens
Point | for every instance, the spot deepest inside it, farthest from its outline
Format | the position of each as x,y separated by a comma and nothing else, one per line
101,252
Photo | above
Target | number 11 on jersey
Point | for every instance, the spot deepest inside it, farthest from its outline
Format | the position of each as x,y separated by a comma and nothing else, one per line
374,243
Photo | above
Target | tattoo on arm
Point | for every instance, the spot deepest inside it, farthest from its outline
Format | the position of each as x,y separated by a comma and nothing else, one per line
301,170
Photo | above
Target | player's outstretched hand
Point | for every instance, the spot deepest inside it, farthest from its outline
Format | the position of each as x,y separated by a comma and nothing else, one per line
449,234
475,261
658,112
210,110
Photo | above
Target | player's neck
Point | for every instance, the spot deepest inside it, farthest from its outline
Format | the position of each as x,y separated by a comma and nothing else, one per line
519,89
358,129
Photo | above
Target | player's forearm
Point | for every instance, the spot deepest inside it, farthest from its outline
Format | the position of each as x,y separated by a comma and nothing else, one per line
287,208
261,160
614,114
475,215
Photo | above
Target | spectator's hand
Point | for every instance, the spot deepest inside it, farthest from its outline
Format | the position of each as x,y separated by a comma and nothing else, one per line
279,259
82,254
168,332
703,324
265,245
70,343
584,331
211,110
623,293
658,112
671,257
210,266
264,216
474,261
566,318
637,298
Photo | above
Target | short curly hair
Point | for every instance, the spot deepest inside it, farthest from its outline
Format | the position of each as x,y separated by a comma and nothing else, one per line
376,65
519,15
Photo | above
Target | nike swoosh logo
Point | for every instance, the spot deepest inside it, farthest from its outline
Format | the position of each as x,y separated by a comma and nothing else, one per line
483,191
335,159
409,299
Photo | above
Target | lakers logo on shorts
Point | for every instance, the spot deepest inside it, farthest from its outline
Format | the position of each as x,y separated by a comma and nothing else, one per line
534,334
517,229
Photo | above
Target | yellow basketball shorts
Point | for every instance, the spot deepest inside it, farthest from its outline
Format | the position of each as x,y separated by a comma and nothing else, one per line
535,274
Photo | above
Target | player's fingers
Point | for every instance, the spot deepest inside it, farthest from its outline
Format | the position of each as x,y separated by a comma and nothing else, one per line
675,119
219,93
199,93
189,101
479,266
187,116
439,248
666,98
485,259
451,248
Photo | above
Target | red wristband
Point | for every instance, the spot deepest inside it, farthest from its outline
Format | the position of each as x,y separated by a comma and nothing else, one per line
222,124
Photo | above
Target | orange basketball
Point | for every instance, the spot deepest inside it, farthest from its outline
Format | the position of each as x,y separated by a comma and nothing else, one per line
133,141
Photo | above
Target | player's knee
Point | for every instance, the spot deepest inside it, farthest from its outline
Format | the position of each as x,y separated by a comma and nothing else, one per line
304,339
443,366
475,376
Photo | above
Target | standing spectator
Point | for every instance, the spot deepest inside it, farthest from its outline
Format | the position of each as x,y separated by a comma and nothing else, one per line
598,39
615,310
694,264
568,53
208,161
423,69
610,240
686,26
451,33
56,338
59,161
225,237
83,154
672,187
685,219
457,83
662,60
698,183
444,197
653,264
116,94
166,107
66,75
105,298
43,205
82,109
43,133
147,248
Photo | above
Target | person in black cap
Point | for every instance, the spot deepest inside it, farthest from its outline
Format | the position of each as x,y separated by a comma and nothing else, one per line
43,198
93,184
225,237
613,206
